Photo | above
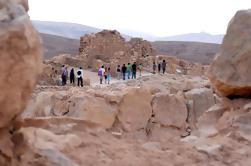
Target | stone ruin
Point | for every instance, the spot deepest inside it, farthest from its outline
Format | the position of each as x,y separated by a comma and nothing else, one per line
110,48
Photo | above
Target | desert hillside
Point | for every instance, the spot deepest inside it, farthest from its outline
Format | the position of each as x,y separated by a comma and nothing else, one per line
55,45
192,51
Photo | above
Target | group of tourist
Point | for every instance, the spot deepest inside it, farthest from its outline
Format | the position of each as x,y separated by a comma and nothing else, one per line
161,66
124,72
65,76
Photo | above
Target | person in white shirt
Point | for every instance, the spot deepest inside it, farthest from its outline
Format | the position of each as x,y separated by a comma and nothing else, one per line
80,76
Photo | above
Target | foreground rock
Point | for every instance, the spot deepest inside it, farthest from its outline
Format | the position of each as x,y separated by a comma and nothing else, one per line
20,63
135,109
170,110
230,71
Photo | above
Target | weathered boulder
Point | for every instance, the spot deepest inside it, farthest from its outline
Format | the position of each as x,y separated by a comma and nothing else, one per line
199,101
170,110
135,109
20,60
207,122
20,64
93,109
230,70
72,104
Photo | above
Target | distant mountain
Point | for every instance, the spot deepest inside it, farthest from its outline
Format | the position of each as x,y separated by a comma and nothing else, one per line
68,30
75,31
195,37
191,51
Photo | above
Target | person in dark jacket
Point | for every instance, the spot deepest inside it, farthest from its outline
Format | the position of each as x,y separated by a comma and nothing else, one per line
72,76
134,70
164,66
124,69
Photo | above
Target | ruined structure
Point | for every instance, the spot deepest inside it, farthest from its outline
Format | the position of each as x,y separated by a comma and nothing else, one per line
112,49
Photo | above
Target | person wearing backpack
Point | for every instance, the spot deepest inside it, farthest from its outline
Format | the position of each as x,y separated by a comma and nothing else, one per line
72,76
80,76
101,72
124,71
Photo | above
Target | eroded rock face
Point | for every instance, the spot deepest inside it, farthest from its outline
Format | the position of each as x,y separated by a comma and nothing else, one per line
20,60
230,71
135,109
199,101
170,110
20,63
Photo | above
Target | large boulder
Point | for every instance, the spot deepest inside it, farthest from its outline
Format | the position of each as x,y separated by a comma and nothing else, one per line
72,104
230,70
20,64
102,112
20,60
199,101
170,110
135,109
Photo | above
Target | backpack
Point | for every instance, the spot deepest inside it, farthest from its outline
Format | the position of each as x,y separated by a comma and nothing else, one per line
79,73
100,73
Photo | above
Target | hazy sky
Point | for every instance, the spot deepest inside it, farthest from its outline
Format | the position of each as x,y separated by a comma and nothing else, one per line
157,17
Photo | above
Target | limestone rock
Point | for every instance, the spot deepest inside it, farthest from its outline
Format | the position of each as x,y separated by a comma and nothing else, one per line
230,70
20,60
207,122
20,64
93,109
135,109
170,110
200,101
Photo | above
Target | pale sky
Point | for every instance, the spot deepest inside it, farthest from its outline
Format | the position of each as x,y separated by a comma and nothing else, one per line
156,17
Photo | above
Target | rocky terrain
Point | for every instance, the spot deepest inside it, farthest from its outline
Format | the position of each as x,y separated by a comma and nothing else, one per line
184,118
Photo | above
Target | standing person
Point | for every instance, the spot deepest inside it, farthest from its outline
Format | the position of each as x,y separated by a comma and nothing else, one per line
118,72
124,71
80,76
105,75
164,66
140,69
66,75
63,75
72,76
154,68
101,72
159,67
108,75
134,70
129,69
